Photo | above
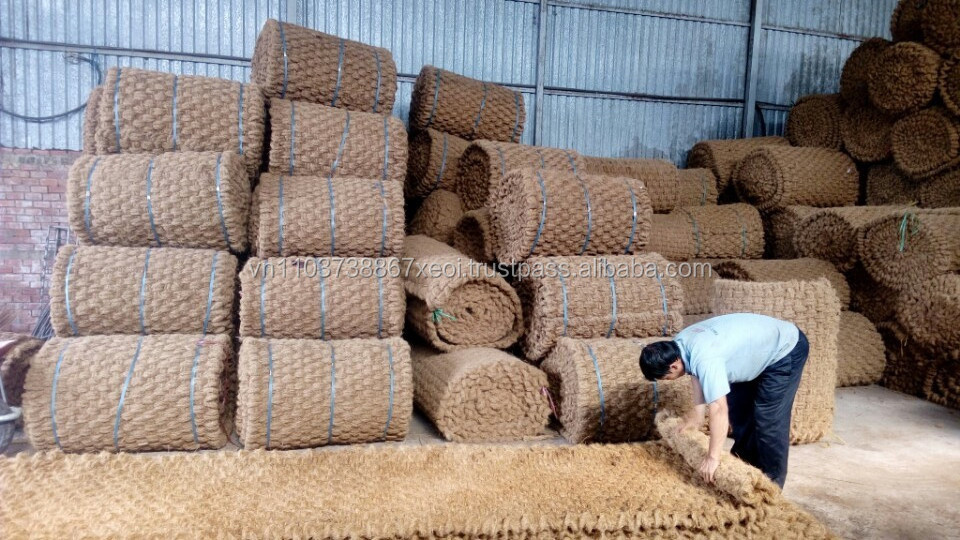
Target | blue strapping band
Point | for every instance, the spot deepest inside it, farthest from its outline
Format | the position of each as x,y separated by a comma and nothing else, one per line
323,303
516,122
293,132
116,108
483,103
280,216
213,278
563,290
543,164
443,164
153,226
386,428
613,302
240,120
383,225
269,391
175,80
573,164
86,202
195,367
123,395
223,223
263,303
379,305
603,409
283,44
436,96
503,163
143,290
696,230
703,190
663,298
333,170
66,293
343,142
376,97
336,89
633,228
53,395
586,196
333,391
543,214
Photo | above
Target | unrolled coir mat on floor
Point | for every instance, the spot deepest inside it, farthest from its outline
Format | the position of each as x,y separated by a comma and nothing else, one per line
434,491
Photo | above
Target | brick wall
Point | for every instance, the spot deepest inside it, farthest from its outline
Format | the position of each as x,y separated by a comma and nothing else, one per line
33,185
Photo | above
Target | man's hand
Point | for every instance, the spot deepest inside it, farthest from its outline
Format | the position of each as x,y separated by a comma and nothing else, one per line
708,468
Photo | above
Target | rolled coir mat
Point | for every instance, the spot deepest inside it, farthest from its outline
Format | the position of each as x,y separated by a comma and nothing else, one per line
857,68
690,320
905,248
940,23
814,120
903,78
437,216
465,107
90,114
484,165
322,216
926,142
773,177
875,301
866,133
779,229
14,364
712,232
480,395
596,297
722,155
814,308
887,185
864,355
457,303
910,369
128,393
949,83
600,394
771,270
316,140
830,234
432,162
941,190
659,176
545,213
120,290
905,21
150,112
321,298
929,311
175,199
303,393
944,387
698,187
302,64
697,284
474,237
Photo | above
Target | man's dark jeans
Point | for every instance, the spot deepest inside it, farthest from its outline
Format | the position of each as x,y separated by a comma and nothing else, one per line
760,413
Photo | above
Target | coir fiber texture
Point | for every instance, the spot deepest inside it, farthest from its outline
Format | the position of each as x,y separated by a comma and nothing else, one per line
866,133
949,84
940,22
474,236
501,491
909,369
321,298
698,187
815,121
886,185
118,290
480,395
658,176
944,386
875,301
903,78
90,114
929,311
717,232
698,287
856,70
770,270
690,320
302,393
926,142
316,140
862,356
601,395
721,156
779,229
317,216
437,216
302,64
465,107
905,21
905,248
456,303
941,190
432,162
14,364
830,234
149,112
175,199
484,165
814,308
586,297
128,393
773,177
548,213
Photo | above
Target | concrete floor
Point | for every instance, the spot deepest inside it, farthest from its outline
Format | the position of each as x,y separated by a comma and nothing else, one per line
890,470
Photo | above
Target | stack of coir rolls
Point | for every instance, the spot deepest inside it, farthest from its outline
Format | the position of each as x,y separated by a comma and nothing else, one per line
322,303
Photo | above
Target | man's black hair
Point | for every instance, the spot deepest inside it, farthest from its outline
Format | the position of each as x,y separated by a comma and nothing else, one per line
655,359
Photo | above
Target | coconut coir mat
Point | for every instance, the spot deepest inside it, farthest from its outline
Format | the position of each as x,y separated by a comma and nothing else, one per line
432,162
437,216
440,491
863,357
815,121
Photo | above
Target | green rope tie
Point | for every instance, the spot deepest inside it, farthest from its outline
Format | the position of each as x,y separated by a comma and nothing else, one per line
439,315
909,226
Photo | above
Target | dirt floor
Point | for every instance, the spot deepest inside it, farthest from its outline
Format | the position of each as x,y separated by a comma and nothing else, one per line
891,469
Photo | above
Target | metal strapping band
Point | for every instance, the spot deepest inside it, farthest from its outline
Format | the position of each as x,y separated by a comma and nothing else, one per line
596,369
269,391
633,227
436,96
153,227
323,303
333,391
240,120
143,290
223,223
263,302
483,103
66,293
586,197
213,278
86,201
196,352
386,428
543,214
343,142
175,81
293,133
443,164
333,200
703,193
379,304
563,291
573,164
663,298
376,97
613,302
543,164
516,122
383,226
336,89
696,230
123,394
116,107
280,216
283,45
743,233
53,395
503,163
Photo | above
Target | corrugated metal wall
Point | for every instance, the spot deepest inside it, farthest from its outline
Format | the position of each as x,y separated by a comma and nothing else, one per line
606,77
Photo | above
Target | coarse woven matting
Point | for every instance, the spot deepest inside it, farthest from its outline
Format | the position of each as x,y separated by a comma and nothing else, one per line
940,23
150,112
949,83
302,64
875,301
690,320
14,364
727,231
551,212
667,186
322,298
465,107
814,120
128,393
697,286
941,190
90,114
322,216
302,393
432,162
903,78
502,491
863,354
944,386
597,297
437,216
803,269
119,290
600,394
906,248
830,234
886,185
866,133
909,369
857,68
484,165
175,199
474,235
929,311
814,308
722,155
773,177
698,187
317,140
779,230
926,142
454,302
480,395
905,21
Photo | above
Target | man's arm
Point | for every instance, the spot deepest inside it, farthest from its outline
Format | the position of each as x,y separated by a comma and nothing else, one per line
719,425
